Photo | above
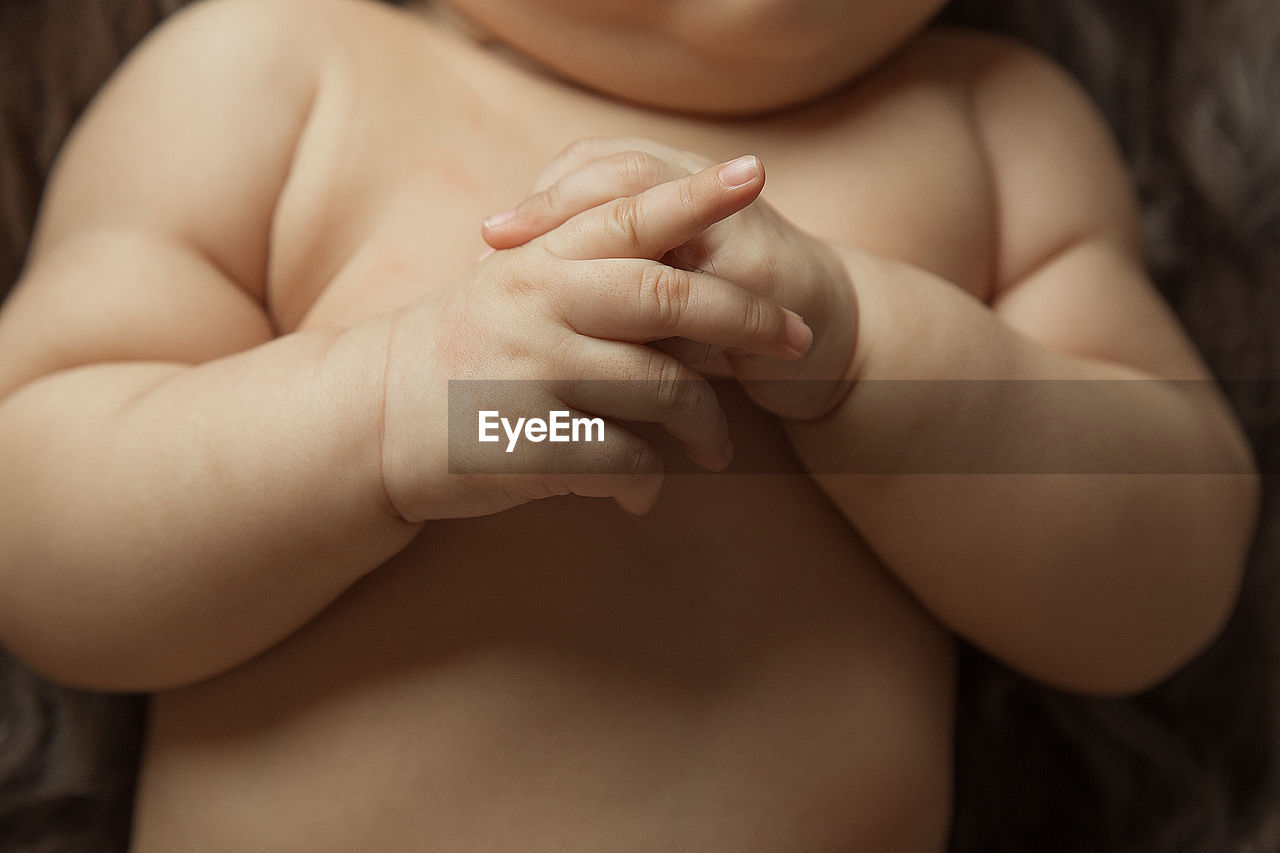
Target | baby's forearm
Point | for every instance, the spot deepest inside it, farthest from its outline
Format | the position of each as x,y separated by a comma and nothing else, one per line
162,522
1006,506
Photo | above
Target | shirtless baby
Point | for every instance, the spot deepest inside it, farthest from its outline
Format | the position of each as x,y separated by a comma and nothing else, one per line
224,383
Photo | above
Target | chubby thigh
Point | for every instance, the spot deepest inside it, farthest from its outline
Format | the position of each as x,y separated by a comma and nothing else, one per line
732,671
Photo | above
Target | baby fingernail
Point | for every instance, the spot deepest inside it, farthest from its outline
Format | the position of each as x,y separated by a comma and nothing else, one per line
739,172
799,335
499,219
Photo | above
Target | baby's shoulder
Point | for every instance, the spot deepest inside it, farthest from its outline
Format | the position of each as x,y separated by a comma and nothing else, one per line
1042,138
964,55
1003,82
233,40
992,76
228,51
958,81
209,107
247,21
247,28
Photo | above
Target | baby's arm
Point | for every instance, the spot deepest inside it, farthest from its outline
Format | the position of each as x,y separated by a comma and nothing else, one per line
180,490
1102,581
183,487
1072,570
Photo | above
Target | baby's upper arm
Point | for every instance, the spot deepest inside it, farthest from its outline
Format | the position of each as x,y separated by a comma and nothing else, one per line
154,234
1068,255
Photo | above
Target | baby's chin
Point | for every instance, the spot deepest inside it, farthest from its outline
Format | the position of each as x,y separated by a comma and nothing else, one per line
672,56
727,93
701,96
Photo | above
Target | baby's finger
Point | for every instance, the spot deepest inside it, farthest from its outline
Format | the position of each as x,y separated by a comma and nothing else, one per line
625,468
637,301
659,219
630,382
529,454
623,174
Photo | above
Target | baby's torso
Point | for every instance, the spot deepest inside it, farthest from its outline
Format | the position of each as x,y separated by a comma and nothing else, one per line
733,671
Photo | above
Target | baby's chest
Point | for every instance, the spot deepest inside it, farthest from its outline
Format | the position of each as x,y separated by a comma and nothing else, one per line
397,206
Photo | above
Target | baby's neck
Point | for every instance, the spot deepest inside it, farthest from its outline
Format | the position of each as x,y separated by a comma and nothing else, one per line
447,19
445,16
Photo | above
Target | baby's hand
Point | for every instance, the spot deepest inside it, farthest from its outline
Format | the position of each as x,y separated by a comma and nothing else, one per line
581,302
757,248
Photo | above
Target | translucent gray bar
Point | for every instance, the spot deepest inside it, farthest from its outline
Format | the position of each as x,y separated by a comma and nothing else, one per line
974,427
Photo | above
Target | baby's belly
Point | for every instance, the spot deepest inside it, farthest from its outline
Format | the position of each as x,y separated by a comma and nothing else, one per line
734,671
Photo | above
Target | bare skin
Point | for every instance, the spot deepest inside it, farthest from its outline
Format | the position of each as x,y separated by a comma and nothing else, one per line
235,406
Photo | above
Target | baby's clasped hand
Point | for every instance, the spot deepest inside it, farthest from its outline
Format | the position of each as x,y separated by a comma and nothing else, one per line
573,311
756,248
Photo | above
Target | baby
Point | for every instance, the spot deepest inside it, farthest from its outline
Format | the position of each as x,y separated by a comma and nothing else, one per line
235,476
